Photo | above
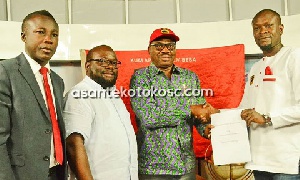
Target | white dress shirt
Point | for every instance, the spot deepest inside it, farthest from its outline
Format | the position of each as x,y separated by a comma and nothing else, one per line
275,148
35,67
109,137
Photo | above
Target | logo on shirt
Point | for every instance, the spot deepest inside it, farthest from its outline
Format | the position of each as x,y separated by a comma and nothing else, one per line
251,79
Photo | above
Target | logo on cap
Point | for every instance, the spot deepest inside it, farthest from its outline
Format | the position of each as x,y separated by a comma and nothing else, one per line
164,31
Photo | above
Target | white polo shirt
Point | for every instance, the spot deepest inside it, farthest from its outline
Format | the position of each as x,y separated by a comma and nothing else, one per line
109,137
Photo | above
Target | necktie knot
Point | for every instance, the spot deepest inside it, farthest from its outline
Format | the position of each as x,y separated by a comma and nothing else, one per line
43,70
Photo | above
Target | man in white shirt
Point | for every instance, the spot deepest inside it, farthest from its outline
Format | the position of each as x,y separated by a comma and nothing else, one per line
101,143
272,102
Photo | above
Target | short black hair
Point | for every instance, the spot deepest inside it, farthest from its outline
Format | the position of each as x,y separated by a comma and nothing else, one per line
98,48
36,13
268,10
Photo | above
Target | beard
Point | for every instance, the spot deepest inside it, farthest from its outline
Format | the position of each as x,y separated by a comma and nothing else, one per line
104,82
266,48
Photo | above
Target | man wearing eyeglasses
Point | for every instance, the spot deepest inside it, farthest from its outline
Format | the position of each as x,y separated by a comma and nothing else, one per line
101,143
164,122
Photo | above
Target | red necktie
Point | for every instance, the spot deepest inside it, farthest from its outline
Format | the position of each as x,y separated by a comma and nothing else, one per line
56,133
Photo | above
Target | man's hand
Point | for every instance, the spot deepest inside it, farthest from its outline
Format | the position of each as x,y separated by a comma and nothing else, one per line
211,109
203,112
207,131
250,115
200,112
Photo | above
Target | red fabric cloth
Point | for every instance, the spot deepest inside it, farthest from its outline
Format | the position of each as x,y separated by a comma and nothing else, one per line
221,69
55,128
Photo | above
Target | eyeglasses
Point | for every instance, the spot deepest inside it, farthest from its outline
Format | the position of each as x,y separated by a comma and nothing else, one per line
161,46
106,63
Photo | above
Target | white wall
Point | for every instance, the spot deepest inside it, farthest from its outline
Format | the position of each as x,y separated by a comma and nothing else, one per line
136,36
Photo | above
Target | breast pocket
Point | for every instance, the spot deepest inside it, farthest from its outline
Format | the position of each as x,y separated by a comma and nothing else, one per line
269,78
270,87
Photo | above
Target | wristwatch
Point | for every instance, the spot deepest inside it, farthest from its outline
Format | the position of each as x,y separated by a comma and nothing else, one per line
267,119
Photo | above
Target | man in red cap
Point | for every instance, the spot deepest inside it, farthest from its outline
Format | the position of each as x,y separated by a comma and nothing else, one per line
165,116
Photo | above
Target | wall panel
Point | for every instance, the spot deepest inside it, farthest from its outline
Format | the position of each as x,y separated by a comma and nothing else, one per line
145,11
98,12
293,7
196,11
246,9
20,8
3,11
152,12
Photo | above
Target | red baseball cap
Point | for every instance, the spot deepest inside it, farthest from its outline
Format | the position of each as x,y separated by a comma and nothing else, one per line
163,32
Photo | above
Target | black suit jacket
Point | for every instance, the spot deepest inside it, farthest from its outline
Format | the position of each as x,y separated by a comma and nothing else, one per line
25,125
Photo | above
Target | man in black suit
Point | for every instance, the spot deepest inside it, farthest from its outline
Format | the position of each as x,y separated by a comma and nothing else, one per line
27,116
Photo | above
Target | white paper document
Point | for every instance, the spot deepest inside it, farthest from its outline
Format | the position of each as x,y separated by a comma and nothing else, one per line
229,138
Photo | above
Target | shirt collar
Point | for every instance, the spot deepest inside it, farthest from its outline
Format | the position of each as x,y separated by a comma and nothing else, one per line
153,70
34,65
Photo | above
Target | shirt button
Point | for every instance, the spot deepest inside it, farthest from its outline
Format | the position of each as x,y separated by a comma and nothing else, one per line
46,158
48,131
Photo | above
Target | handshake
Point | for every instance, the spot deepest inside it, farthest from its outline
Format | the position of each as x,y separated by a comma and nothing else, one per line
202,112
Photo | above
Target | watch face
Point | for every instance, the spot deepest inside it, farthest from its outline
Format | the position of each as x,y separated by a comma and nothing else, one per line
267,119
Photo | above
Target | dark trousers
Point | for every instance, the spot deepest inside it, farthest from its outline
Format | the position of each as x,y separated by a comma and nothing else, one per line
57,173
262,175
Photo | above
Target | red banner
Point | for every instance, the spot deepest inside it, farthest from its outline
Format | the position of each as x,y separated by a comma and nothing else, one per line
221,69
